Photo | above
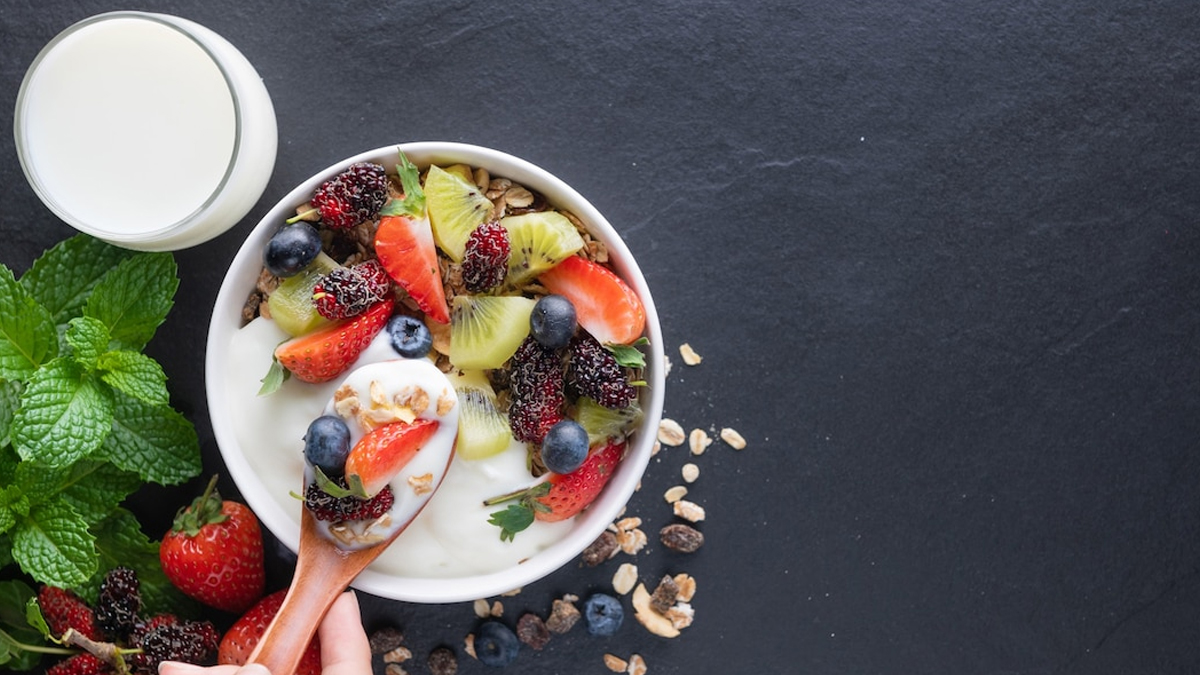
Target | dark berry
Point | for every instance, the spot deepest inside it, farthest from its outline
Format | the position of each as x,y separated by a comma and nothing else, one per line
603,614
565,447
485,262
350,291
188,642
291,249
595,373
352,196
340,509
118,603
410,336
536,396
327,444
495,644
552,322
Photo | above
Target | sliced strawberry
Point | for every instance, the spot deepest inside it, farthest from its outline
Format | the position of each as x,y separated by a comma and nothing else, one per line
241,638
570,493
383,451
604,304
560,496
323,355
406,249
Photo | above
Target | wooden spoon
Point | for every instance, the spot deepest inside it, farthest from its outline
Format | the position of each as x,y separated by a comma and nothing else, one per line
323,571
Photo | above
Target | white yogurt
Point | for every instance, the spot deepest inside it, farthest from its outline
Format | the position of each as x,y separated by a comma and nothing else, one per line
450,538
146,130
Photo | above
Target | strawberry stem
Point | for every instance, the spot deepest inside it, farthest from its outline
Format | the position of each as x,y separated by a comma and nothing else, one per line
204,510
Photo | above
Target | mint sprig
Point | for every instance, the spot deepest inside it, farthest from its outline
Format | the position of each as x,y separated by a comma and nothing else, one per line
85,418
413,203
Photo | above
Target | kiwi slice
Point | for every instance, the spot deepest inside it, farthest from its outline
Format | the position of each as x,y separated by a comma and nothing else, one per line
486,330
603,423
483,429
539,241
456,207
291,305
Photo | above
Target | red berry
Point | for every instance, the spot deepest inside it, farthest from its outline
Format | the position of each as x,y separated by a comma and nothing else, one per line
485,263
352,196
80,664
241,638
62,609
536,396
323,355
214,552
595,373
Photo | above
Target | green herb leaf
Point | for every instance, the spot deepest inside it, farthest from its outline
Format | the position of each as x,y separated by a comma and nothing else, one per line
95,489
64,415
15,598
28,337
629,355
62,278
13,507
153,441
134,299
274,378
514,519
135,374
120,541
10,400
413,203
54,546
88,338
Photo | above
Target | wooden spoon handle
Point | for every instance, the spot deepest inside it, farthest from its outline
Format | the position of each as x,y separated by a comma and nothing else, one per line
323,571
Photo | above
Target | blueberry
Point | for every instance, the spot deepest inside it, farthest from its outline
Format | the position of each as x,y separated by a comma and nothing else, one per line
410,337
553,321
603,613
327,444
565,447
495,644
291,249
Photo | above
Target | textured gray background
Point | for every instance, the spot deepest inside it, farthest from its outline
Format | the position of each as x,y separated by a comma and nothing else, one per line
940,258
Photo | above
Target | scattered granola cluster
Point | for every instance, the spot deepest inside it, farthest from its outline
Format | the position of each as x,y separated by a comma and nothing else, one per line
665,609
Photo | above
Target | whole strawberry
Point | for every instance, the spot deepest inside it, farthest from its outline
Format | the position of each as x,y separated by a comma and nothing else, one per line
243,636
214,552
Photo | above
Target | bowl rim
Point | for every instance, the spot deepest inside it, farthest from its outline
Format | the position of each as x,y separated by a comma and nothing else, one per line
226,318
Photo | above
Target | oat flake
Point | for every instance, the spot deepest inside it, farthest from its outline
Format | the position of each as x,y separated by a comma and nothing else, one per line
671,433
689,511
675,494
690,357
625,578
699,441
733,439
615,663
690,472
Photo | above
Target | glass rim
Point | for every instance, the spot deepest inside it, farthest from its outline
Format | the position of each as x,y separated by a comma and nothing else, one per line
27,167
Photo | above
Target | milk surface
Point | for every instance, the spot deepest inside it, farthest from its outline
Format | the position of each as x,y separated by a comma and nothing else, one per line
130,125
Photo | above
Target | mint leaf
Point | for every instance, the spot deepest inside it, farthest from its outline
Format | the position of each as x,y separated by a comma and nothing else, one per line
28,337
64,415
629,356
413,203
155,442
13,507
10,400
88,338
514,519
134,298
274,379
135,374
62,277
120,541
53,545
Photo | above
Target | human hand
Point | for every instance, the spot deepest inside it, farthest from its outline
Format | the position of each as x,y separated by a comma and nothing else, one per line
344,647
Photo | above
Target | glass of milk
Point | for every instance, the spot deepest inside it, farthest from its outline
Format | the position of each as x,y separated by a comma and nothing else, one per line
145,130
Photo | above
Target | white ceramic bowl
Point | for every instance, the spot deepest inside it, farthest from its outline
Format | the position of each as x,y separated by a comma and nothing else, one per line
284,523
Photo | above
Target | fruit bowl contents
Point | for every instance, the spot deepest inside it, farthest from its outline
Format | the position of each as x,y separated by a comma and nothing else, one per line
437,293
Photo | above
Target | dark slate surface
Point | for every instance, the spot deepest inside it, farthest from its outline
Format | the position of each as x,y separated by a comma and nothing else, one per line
940,258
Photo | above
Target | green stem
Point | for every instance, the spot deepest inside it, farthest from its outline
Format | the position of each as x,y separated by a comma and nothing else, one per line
37,649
